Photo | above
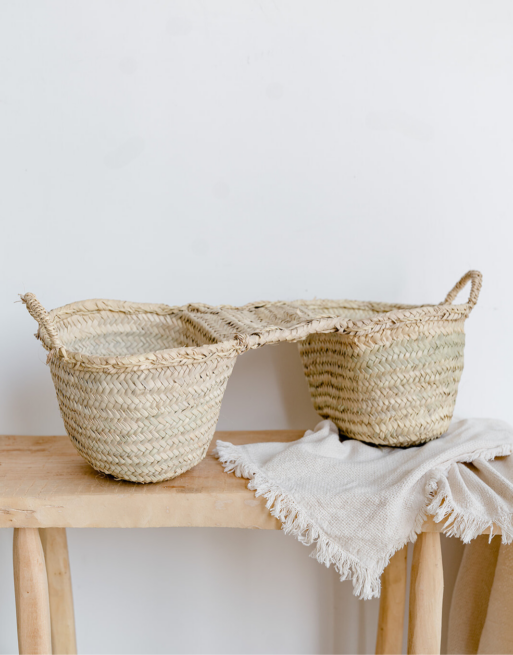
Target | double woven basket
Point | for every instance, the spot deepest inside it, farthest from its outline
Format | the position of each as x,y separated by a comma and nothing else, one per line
140,385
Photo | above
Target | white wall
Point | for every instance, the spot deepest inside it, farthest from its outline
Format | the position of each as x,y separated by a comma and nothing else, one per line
229,151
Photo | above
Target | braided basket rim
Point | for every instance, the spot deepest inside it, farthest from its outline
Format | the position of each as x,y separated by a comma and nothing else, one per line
393,315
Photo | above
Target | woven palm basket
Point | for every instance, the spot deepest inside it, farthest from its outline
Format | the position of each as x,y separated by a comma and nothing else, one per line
140,385
391,375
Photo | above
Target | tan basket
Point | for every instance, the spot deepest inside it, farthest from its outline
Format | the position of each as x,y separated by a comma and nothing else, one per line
140,385
392,377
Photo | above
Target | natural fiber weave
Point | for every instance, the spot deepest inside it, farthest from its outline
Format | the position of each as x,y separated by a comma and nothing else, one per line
140,385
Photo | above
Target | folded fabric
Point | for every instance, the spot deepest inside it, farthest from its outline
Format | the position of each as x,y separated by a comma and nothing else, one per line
471,595
360,503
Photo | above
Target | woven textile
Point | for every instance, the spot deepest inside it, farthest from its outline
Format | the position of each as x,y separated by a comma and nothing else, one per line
482,602
360,503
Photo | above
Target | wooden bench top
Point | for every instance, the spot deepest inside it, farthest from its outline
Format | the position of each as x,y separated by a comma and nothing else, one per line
45,483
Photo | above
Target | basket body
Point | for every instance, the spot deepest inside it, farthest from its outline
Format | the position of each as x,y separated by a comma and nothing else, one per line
142,425
397,388
139,386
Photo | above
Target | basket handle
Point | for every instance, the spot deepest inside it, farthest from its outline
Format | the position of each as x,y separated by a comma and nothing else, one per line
37,311
476,279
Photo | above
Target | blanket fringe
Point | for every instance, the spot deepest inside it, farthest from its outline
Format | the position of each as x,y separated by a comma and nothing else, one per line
464,525
366,581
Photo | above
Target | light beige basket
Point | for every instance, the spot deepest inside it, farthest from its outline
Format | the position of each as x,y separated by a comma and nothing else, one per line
140,385
391,375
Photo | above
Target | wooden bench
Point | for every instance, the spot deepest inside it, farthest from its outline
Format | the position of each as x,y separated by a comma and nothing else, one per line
45,487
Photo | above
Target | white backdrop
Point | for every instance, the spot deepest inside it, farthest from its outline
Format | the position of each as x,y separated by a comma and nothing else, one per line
230,151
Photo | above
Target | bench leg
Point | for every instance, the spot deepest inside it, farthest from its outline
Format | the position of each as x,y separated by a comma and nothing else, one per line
55,546
31,591
426,596
391,605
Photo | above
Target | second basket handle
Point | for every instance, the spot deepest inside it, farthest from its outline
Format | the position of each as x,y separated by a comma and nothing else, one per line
476,279
37,311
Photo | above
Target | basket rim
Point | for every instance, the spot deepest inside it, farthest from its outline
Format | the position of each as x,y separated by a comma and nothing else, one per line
391,316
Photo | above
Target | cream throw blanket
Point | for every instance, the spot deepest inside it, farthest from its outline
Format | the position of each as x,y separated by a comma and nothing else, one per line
481,617
360,503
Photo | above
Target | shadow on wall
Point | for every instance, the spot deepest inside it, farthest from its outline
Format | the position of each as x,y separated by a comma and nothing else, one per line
268,390
31,404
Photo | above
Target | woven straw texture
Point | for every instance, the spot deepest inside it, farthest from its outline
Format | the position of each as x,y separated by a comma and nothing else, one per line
140,385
